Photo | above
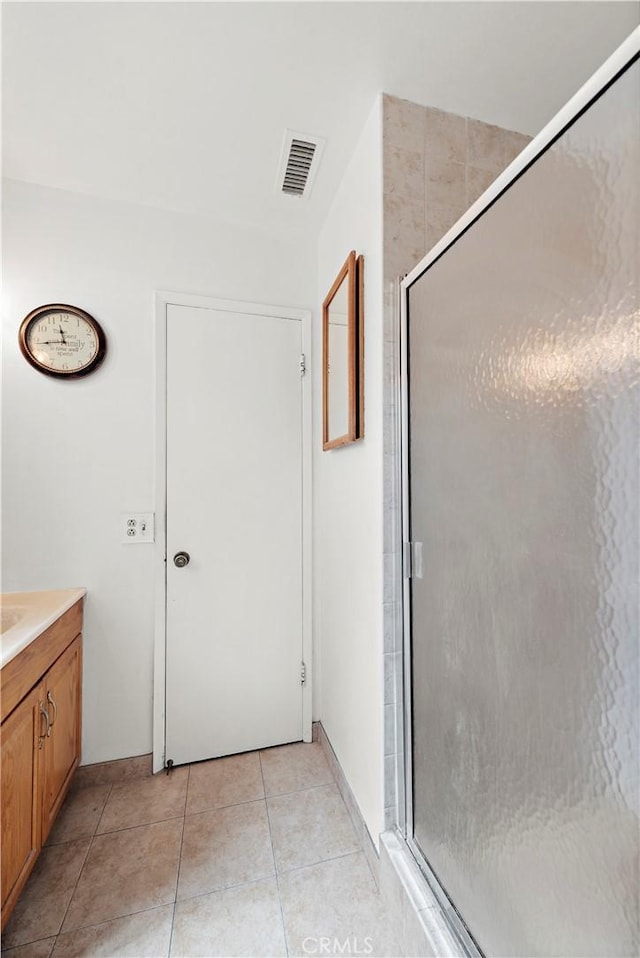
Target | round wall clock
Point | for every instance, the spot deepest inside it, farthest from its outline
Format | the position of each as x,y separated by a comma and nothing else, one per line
62,341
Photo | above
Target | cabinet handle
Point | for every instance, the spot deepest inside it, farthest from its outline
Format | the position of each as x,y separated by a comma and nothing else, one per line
47,731
55,711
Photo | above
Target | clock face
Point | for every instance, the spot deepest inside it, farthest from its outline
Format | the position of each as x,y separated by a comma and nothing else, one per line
62,341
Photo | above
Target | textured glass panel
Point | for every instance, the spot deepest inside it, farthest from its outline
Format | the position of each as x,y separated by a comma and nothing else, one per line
524,371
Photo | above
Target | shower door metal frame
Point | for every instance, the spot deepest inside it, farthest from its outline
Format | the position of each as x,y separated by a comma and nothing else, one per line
622,58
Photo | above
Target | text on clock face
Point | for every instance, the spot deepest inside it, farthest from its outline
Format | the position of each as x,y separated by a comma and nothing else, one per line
63,341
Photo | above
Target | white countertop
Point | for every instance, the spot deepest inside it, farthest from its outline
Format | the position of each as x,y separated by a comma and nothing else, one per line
25,615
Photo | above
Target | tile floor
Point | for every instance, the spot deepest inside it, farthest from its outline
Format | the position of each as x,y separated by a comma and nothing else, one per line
254,854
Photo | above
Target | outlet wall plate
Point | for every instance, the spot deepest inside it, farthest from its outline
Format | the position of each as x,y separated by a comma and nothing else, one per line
137,527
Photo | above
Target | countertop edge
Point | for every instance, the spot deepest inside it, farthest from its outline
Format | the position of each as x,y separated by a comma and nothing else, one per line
26,633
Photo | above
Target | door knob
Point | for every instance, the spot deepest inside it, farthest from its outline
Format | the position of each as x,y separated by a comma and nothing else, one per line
181,559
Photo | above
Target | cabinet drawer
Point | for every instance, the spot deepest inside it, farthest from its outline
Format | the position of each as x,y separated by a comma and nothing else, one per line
21,674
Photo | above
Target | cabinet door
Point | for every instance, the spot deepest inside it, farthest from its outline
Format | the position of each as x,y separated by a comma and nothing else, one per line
20,792
61,753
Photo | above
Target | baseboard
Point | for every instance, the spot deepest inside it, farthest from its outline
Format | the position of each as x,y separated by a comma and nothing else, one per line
368,846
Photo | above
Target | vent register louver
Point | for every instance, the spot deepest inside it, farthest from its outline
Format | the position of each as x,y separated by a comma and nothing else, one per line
299,163
298,166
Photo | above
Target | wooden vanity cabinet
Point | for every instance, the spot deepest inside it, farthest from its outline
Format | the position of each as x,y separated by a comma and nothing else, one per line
61,753
39,744
19,792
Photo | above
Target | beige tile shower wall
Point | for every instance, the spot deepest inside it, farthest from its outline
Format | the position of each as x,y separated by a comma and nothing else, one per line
435,165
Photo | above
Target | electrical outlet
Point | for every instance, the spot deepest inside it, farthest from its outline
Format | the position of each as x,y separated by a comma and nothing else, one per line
137,527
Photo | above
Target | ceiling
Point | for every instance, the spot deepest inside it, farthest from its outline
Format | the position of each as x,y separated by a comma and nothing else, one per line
183,106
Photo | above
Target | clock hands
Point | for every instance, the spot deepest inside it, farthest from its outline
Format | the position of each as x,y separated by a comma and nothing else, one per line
55,342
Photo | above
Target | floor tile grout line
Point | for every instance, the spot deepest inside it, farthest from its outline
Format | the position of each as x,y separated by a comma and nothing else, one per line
77,838
105,921
253,801
129,828
77,881
173,919
175,894
5,951
217,808
275,867
248,801
175,897
323,861
103,808
306,788
186,791
8,951
232,887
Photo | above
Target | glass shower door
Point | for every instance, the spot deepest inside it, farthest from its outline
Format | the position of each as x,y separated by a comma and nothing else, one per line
523,368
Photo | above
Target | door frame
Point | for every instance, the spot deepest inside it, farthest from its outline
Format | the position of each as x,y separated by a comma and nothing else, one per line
163,299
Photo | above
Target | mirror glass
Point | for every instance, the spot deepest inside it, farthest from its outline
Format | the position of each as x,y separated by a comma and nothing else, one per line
338,362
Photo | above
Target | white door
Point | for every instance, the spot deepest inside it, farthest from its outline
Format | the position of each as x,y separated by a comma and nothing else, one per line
234,504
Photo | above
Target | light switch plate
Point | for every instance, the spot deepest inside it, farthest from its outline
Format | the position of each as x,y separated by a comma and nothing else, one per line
137,527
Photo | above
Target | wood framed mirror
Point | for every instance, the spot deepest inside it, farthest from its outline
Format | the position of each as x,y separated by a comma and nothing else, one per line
342,356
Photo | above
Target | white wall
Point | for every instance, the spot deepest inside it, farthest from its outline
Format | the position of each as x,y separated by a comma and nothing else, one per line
348,521
77,454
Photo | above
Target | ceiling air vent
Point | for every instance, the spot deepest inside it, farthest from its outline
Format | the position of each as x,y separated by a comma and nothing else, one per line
299,163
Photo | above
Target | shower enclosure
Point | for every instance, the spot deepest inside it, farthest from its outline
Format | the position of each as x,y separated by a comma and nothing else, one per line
522,361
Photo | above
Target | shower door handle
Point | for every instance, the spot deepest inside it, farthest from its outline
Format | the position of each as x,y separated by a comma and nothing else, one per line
412,562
